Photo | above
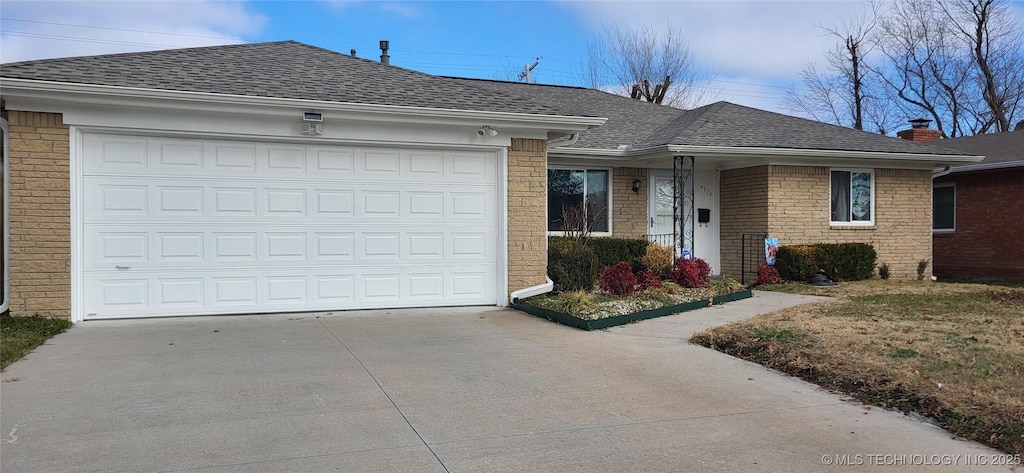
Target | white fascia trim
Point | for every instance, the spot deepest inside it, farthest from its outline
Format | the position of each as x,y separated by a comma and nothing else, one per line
986,167
112,95
730,151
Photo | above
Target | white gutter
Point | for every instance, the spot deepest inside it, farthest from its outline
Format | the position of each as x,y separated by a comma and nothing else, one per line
988,166
5,305
532,291
943,172
763,152
563,141
65,92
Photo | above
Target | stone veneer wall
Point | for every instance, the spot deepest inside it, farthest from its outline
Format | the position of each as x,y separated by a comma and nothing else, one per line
527,207
40,215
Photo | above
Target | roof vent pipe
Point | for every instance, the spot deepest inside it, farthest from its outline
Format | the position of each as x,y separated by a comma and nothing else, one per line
352,52
384,58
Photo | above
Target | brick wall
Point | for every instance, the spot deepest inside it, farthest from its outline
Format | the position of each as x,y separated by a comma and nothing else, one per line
40,215
527,204
629,209
799,211
986,243
743,200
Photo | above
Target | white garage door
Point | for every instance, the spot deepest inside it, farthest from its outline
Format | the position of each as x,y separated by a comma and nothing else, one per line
191,226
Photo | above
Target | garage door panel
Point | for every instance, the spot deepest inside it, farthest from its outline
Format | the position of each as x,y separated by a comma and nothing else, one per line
218,227
150,247
196,200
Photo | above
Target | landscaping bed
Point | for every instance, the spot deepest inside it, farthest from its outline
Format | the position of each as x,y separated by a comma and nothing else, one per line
610,311
951,352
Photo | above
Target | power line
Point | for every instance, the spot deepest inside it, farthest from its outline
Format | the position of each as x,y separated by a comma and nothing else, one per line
114,29
88,40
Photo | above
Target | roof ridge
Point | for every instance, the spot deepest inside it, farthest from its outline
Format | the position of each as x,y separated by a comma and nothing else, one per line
164,50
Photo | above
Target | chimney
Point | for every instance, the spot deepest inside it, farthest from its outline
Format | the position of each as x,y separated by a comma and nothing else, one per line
384,58
919,131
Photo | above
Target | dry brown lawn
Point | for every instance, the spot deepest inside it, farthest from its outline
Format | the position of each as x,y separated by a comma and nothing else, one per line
952,352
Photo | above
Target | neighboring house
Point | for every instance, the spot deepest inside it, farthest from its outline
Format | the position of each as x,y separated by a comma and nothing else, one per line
978,225
279,177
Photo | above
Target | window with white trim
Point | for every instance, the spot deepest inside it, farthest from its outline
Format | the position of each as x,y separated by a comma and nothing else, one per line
585,190
852,196
944,208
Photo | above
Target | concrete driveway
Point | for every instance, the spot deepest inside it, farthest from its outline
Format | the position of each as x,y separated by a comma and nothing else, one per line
460,390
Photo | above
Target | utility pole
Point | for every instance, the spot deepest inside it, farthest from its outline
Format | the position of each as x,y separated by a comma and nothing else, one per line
526,71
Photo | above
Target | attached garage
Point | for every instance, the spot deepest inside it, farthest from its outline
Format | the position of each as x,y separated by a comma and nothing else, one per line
192,226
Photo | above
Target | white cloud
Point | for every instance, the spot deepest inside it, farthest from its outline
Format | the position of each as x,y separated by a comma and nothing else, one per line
47,29
762,38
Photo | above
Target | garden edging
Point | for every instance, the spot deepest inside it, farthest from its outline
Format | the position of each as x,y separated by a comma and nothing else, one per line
597,324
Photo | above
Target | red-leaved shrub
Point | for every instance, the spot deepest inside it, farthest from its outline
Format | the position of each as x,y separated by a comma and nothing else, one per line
647,280
691,272
618,280
768,275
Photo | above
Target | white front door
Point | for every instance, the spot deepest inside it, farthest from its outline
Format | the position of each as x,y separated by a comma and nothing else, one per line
661,226
200,226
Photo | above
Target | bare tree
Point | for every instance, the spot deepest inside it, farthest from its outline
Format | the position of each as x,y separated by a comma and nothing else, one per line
643,63
921,67
997,52
844,92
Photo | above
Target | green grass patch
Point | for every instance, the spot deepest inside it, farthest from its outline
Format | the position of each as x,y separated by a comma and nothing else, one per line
904,353
21,335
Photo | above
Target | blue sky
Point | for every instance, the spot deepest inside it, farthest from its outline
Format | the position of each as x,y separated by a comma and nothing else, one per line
754,48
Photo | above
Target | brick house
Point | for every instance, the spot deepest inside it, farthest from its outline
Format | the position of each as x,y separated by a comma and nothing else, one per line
277,177
978,213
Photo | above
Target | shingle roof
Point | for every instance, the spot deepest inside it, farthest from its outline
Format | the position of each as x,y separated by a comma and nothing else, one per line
629,121
289,69
996,147
642,125
285,69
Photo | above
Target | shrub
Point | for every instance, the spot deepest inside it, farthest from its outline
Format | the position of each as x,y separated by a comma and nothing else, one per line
646,280
691,272
727,286
847,261
922,266
618,280
658,259
796,262
768,275
574,303
610,251
659,296
672,288
883,270
572,265
840,262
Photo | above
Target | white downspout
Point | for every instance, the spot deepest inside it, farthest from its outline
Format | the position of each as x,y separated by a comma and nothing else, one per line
946,170
548,285
5,305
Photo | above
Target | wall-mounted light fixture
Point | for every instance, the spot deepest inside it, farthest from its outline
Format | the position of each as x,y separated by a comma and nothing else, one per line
312,125
486,130
636,186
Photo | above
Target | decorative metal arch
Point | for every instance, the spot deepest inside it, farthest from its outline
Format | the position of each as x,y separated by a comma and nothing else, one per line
683,202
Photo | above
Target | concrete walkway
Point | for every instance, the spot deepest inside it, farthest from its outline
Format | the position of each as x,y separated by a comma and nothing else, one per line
460,390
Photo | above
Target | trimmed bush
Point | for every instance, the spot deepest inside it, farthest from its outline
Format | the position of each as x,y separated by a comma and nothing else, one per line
691,272
647,280
839,262
768,275
572,265
658,259
610,251
618,280
847,261
796,262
